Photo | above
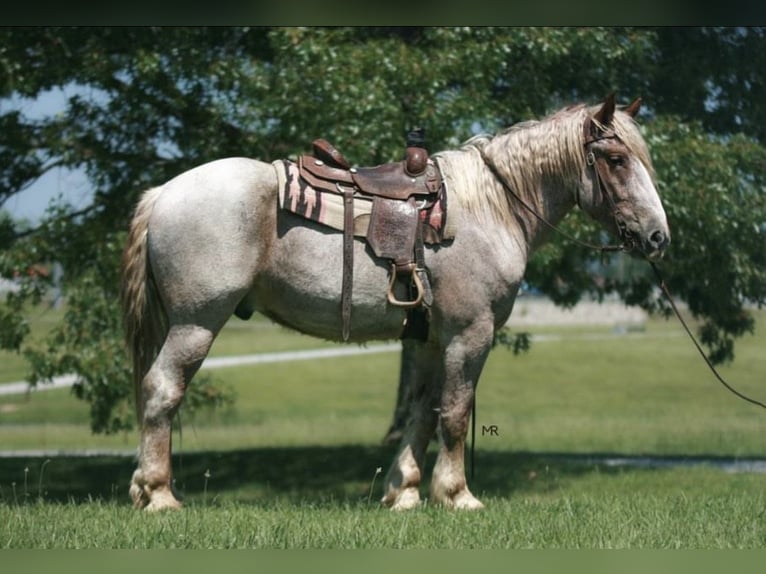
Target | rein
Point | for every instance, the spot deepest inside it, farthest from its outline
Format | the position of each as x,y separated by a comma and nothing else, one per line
664,288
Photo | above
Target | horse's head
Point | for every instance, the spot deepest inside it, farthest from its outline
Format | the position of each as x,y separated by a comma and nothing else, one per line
616,184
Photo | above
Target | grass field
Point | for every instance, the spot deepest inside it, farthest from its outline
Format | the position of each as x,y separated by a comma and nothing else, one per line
292,464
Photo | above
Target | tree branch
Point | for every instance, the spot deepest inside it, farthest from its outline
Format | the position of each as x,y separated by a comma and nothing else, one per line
9,194
66,217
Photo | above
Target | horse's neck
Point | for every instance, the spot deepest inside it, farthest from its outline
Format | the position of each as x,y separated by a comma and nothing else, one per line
556,201
539,175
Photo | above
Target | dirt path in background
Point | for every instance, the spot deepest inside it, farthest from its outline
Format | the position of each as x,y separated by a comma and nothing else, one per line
65,381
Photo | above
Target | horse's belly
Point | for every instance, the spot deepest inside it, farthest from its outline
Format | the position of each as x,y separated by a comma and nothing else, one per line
301,288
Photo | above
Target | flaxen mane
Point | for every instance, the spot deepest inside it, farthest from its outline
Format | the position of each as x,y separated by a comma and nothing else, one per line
551,149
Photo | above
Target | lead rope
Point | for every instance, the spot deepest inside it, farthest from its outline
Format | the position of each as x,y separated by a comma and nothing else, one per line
666,292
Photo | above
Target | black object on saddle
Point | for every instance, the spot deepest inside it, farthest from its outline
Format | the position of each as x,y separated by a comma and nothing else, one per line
400,191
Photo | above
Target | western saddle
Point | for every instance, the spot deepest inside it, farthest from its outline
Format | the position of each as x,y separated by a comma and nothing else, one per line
402,194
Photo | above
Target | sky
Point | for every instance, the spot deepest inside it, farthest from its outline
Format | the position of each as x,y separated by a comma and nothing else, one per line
72,186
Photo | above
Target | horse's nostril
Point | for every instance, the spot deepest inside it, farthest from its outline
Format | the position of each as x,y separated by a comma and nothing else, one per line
658,239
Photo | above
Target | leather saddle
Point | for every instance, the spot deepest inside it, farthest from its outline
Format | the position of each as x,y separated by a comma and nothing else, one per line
400,192
415,176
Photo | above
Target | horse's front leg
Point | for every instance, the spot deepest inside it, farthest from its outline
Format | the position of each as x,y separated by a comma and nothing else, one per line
464,359
420,380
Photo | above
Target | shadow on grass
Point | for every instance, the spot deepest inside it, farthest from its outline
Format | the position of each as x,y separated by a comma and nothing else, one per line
338,473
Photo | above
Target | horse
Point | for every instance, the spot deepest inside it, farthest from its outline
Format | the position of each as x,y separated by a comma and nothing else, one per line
212,241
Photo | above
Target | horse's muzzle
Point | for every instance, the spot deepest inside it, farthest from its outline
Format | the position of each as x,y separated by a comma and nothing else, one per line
655,243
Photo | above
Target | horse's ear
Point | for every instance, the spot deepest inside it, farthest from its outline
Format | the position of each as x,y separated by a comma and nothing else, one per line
606,113
632,109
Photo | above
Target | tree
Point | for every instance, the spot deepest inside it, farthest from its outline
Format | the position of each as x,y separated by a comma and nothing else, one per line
148,103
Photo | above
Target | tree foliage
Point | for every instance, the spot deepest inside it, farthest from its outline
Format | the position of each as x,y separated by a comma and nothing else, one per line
144,104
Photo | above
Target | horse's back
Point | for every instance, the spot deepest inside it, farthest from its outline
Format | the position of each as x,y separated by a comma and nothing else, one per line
229,187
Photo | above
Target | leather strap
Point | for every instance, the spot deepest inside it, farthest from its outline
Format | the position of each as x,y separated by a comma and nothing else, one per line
420,267
348,259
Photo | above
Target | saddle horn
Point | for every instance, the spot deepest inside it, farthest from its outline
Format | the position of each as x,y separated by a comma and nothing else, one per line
416,154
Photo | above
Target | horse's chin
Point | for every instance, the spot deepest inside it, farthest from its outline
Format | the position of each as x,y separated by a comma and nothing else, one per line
647,254
655,255
651,254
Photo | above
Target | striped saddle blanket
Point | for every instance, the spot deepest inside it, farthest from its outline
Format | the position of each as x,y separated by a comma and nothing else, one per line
297,196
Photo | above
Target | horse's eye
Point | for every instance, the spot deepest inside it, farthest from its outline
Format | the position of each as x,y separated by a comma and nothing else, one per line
616,160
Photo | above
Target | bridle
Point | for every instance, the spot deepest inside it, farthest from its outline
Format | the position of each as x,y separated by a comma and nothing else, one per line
627,241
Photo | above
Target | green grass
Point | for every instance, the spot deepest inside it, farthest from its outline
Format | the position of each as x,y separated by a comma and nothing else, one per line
575,507
292,462
642,393
13,366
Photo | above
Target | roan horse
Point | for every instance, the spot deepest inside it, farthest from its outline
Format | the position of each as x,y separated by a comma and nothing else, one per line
212,241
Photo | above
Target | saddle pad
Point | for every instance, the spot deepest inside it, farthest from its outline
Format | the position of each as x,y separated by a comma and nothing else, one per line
296,196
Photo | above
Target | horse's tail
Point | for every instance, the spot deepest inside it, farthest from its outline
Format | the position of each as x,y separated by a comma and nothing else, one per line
143,314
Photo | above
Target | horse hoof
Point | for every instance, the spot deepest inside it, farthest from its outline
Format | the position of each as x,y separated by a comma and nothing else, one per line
407,499
467,501
461,500
161,507
153,500
138,496
163,502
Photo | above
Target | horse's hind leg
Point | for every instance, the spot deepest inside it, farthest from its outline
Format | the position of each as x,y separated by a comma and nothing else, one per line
420,378
163,387
407,374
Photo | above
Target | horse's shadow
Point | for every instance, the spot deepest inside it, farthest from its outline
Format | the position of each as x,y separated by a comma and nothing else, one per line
350,473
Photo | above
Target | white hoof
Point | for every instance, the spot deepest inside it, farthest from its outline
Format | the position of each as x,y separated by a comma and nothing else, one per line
163,501
404,500
466,501
460,500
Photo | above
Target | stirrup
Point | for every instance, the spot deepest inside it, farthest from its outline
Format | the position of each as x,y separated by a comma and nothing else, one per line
418,285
